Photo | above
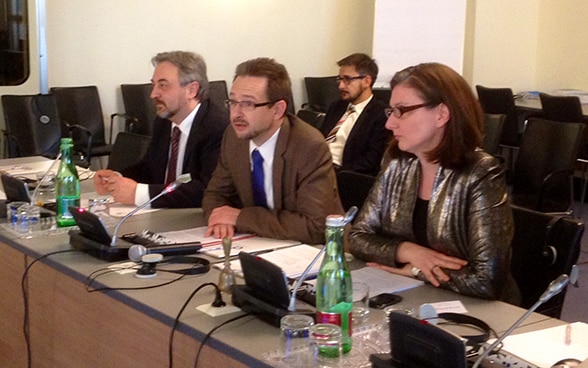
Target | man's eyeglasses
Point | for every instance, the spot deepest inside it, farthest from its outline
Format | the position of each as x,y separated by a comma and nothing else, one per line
347,79
398,111
247,105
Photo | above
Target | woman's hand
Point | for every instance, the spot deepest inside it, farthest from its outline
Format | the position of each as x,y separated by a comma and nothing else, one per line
430,262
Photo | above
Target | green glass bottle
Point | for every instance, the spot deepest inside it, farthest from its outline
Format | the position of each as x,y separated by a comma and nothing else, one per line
334,292
67,185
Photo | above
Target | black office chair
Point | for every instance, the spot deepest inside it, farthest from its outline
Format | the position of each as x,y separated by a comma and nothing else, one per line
81,106
321,93
354,188
493,125
542,179
561,108
218,93
312,117
128,149
501,101
544,246
140,111
33,127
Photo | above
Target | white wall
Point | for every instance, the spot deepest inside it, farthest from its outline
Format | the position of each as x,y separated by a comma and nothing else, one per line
504,43
110,42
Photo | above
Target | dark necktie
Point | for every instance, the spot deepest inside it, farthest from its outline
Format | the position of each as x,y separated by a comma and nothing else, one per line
331,137
257,179
173,157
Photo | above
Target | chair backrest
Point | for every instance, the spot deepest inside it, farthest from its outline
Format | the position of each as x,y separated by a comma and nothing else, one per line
561,108
321,92
218,93
312,117
501,101
81,106
544,165
33,126
354,188
128,149
138,104
544,246
493,125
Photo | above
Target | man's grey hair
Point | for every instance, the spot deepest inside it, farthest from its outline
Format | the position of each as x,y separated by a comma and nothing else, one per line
191,68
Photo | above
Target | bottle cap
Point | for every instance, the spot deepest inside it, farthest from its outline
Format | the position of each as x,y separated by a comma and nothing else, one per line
335,220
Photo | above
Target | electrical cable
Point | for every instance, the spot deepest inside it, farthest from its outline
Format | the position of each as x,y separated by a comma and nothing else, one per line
25,296
218,302
210,333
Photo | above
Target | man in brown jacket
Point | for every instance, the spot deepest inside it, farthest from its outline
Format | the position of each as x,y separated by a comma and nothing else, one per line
290,187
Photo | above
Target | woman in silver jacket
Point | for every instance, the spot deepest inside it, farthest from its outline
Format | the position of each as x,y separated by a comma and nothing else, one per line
439,209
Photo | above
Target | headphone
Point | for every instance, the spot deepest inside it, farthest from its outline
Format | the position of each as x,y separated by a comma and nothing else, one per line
428,313
477,323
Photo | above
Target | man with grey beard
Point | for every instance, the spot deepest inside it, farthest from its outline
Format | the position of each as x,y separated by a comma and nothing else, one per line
186,138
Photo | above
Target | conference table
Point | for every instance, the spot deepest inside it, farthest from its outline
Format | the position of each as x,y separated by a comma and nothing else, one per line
129,326
532,106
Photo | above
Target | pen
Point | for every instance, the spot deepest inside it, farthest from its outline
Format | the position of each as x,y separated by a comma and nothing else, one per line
568,336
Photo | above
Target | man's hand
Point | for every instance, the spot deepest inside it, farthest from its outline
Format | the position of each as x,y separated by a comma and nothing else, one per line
222,222
121,189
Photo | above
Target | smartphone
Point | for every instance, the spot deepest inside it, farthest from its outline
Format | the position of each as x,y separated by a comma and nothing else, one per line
383,300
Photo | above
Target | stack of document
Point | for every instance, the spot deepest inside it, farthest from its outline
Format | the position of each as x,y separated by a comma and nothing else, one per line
211,246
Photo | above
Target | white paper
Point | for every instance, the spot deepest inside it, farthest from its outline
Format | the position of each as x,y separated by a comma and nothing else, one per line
381,281
545,347
292,260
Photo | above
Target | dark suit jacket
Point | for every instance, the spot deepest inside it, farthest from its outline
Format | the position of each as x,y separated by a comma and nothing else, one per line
200,158
367,140
305,188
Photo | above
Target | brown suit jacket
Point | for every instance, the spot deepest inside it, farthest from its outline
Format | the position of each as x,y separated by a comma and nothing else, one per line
305,187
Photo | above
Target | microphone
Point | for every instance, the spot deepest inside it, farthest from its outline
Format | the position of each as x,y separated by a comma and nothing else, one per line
349,216
184,178
554,288
137,251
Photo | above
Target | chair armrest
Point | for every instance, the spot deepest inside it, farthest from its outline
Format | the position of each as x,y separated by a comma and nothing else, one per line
130,122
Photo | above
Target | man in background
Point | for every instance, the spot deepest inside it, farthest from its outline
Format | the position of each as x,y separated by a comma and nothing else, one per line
354,126
275,175
186,138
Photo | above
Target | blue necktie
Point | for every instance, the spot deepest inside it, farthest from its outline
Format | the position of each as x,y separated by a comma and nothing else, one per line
257,179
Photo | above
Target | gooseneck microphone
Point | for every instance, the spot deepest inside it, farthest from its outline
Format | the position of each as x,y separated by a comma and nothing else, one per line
184,178
137,251
554,288
349,216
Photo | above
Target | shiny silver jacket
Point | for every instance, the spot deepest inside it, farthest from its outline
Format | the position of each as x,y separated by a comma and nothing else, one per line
469,217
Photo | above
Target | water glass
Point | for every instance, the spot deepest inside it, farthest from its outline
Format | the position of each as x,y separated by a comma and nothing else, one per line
296,325
361,296
27,219
12,214
46,188
325,341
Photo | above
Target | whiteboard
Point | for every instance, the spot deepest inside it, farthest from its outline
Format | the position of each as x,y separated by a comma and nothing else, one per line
417,31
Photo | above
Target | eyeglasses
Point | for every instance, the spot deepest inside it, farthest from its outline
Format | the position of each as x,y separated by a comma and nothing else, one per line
398,111
347,79
247,105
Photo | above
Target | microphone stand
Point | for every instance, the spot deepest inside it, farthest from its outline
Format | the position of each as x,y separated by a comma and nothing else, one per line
554,288
185,178
36,191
